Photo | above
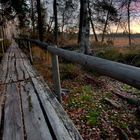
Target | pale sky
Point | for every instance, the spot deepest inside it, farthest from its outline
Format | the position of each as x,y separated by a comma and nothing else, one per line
135,26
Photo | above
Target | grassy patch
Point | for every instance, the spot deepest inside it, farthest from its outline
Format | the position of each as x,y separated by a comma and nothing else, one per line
92,117
127,55
111,54
87,89
86,98
69,71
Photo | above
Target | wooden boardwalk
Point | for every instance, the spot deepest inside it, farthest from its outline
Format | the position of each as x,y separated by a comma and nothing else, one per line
28,109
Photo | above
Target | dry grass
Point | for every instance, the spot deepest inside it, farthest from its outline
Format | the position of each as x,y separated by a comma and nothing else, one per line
40,54
42,62
120,41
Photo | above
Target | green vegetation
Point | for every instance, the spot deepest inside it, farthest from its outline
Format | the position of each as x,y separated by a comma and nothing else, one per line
111,54
68,71
87,89
85,97
92,117
129,55
124,125
87,94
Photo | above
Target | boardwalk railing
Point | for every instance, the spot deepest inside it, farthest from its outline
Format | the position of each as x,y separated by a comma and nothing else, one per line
2,45
121,72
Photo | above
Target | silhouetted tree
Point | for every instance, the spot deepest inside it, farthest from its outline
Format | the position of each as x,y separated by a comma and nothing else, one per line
40,23
84,28
14,8
55,21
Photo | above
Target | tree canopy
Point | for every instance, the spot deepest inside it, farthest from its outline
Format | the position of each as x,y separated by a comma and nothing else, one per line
10,9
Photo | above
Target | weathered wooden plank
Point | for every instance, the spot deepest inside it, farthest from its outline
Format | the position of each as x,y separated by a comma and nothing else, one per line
35,126
17,69
27,106
73,132
4,70
26,75
20,72
13,127
27,64
59,129
29,68
2,97
20,64
6,55
19,52
6,66
63,118
12,74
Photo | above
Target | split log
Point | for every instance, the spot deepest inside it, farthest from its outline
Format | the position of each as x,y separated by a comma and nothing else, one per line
113,103
130,100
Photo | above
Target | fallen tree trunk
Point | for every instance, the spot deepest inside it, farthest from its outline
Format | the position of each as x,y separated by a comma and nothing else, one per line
121,72
112,102
130,100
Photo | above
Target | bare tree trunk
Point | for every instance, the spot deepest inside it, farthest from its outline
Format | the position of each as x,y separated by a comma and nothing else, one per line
92,24
49,25
40,24
32,16
106,23
93,29
129,30
55,21
80,21
85,27
63,20
105,26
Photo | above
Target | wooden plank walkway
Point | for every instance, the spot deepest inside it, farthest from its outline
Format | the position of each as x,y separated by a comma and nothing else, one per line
28,109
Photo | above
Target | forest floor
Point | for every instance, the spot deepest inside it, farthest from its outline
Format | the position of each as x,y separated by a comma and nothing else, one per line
100,107
92,102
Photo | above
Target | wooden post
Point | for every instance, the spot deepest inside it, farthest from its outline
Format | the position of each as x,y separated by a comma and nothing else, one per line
30,50
56,77
2,41
2,46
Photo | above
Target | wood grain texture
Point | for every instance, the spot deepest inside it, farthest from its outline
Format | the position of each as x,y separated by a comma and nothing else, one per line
13,126
73,132
30,111
56,123
2,98
35,125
